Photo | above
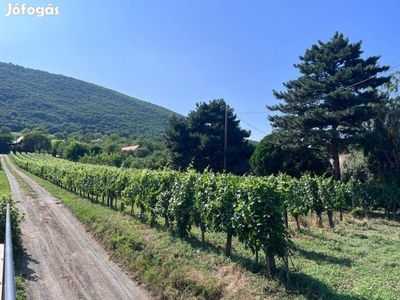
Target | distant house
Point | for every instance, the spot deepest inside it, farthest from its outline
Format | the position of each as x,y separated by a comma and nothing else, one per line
17,141
130,148
16,144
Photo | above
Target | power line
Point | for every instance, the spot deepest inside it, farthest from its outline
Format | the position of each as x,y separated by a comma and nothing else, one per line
252,126
252,113
362,81
396,66
339,90
355,84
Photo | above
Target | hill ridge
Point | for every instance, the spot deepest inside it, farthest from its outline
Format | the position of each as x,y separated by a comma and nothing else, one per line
31,98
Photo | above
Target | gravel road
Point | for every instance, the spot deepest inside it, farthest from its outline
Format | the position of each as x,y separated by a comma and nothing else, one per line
61,261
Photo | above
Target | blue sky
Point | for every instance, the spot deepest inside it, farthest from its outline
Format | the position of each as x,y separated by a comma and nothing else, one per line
177,53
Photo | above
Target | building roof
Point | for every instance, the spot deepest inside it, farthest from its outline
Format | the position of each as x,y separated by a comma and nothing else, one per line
130,148
17,141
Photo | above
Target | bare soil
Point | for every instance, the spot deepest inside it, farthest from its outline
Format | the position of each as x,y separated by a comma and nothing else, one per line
61,260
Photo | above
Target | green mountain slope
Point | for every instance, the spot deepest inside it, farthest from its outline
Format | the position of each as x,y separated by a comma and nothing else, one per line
32,98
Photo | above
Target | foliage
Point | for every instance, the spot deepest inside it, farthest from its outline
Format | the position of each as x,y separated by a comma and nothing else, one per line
142,152
6,140
269,158
36,99
5,130
181,205
355,165
257,205
5,143
175,196
383,146
250,208
221,209
199,140
75,150
36,141
258,219
180,142
156,160
337,264
106,150
295,197
15,219
327,106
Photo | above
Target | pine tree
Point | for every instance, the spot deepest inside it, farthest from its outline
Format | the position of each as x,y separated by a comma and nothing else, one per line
328,104
199,140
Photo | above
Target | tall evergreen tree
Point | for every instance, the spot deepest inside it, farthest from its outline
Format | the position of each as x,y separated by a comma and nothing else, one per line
328,104
180,142
199,139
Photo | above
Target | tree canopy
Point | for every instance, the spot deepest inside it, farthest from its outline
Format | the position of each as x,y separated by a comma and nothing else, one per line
75,150
327,106
36,141
199,139
383,149
5,143
269,158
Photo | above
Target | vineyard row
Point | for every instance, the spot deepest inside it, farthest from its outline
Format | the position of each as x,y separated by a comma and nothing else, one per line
252,208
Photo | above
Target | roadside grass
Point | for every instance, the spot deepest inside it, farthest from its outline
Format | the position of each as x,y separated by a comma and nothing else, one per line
357,260
5,190
4,185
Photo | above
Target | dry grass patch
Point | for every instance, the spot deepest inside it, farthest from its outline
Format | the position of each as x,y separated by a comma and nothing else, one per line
236,282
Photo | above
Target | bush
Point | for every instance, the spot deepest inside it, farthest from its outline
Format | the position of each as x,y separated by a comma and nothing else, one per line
142,152
15,220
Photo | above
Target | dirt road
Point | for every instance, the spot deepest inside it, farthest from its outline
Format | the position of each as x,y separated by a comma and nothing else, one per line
62,260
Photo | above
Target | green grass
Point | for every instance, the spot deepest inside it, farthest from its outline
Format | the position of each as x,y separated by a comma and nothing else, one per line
4,185
356,260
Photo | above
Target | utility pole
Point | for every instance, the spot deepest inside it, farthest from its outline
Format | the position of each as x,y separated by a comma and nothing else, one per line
225,135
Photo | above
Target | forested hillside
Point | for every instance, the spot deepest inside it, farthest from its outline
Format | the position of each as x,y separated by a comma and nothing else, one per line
32,98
